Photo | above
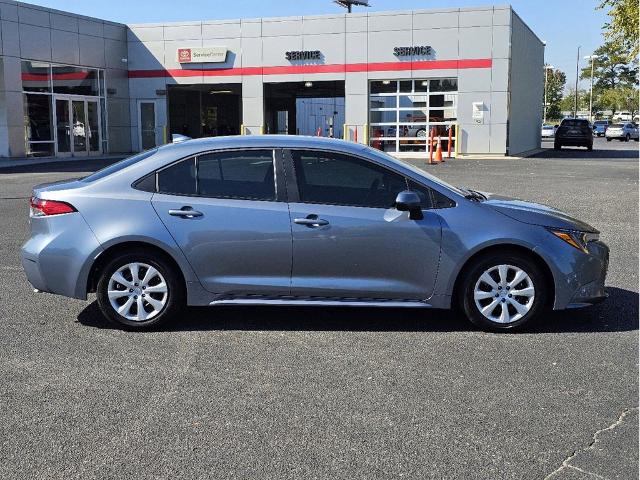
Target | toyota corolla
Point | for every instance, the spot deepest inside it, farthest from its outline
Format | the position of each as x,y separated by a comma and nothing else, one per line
285,220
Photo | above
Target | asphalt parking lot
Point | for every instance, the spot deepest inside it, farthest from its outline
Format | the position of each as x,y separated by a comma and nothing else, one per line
332,393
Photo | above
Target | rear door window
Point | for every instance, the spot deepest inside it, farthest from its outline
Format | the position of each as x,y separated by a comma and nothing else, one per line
247,175
179,178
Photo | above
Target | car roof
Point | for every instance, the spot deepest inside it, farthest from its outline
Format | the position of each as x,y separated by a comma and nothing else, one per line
266,141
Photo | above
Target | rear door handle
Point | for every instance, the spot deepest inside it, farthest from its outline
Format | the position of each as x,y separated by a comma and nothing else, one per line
311,221
185,212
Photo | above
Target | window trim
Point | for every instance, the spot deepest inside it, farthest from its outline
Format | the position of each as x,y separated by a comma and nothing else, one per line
278,173
293,192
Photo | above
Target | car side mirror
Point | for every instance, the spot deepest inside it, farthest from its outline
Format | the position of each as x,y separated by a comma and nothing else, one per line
409,201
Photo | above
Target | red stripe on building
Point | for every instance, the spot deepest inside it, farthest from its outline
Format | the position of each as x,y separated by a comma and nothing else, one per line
312,69
42,77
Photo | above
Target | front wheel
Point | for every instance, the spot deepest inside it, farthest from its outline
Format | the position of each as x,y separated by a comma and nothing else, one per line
502,292
138,290
557,146
627,137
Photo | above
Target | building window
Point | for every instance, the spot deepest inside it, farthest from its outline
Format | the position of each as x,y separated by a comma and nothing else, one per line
402,113
75,80
36,76
49,91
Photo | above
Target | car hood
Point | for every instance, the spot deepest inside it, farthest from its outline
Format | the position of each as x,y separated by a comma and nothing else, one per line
535,213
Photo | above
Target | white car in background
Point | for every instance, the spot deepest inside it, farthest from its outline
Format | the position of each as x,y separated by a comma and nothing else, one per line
548,131
622,131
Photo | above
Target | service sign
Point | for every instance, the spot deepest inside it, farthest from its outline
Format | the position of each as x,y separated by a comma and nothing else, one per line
202,55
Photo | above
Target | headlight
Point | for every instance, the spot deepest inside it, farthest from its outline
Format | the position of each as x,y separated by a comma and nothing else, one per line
576,239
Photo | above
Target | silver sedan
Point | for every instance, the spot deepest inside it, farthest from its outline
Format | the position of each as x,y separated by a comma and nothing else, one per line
285,220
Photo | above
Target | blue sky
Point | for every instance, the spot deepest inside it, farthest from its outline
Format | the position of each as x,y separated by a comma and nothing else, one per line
562,24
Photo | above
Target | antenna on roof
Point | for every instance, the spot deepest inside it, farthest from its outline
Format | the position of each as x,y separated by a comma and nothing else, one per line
350,3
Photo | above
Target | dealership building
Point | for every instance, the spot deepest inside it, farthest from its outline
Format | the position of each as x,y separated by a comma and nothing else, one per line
77,86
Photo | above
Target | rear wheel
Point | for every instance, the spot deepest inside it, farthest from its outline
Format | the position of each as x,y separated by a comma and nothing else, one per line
608,139
138,290
557,146
503,291
590,146
627,137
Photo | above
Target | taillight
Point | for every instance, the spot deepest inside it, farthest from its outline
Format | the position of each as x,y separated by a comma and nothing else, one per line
43,208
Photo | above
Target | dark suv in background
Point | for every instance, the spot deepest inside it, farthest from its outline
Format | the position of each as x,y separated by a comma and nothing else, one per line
576,132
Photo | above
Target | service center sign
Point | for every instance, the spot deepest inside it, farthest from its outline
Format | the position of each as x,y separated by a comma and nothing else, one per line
202,55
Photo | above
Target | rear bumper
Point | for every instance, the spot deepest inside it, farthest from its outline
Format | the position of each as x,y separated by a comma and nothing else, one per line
574,141
59,253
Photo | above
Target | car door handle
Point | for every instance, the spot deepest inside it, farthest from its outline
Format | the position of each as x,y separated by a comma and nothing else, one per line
185,212
311,221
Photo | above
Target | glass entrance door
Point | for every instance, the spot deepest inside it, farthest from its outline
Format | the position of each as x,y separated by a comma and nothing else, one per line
63,128
77,126
147,119
79,129
93,126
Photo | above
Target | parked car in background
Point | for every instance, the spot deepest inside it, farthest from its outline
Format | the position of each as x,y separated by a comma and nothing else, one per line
548,131
600,127
575,132
288,220
622,131
623,117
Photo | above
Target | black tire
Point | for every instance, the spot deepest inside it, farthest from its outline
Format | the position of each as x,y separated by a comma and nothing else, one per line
472,274
590,147
557,146
608,139
176,296
627,137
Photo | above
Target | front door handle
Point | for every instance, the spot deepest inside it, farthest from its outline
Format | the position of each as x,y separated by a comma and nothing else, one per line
185,212
312,221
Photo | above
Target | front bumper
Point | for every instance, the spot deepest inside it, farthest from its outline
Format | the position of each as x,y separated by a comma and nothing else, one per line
579,277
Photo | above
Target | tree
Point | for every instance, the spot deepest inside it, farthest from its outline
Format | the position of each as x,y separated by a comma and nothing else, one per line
611,69
567,104
621,99
556,80
622,30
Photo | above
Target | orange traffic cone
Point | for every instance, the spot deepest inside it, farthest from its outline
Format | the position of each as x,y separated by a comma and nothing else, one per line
439,152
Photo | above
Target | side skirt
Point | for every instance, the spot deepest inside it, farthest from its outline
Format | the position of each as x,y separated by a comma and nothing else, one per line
320,302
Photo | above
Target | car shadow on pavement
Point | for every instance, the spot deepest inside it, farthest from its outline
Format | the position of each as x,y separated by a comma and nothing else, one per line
619,313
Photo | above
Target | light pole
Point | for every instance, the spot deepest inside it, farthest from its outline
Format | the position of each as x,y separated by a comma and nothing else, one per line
546,73
592,58
575,105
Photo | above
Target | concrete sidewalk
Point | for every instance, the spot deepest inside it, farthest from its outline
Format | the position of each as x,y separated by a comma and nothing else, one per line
27,161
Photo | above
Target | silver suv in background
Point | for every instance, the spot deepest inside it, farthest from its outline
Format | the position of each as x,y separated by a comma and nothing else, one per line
286,220
622,131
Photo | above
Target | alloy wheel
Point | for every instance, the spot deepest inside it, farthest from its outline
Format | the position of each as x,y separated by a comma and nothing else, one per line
137,291
504,294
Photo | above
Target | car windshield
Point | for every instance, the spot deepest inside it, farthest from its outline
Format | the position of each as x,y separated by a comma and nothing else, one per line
547,127
119,165
599,122
574,123
422,173
617,125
